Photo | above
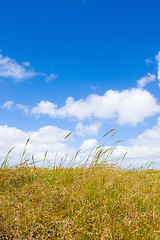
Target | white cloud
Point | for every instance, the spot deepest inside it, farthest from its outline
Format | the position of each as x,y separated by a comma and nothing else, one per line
27,64
51,77
148,61
145,80
125,107
9,68
8,105
22,107
88,144
94,88
47,138
158,61
45,108
145,148
87,150
84,130
142,150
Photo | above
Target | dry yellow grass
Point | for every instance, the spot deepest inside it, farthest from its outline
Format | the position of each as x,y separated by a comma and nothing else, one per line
98,202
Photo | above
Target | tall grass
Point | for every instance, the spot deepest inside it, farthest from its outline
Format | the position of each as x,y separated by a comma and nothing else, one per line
95,200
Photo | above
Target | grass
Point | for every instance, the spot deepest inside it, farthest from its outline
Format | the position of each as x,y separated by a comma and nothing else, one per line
95,201
81,203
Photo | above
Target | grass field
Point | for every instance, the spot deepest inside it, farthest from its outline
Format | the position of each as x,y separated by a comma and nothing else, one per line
98,202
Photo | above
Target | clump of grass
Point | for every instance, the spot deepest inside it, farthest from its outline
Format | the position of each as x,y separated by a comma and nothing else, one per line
96,200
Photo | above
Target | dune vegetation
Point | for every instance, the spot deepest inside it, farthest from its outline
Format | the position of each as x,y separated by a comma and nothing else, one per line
99,201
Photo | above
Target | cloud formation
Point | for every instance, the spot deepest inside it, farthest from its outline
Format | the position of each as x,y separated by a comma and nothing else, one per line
47,138
148,61
26,64
145,80
45,108
84,130
10,105
125,107
51,77
22,107
9,68
144,148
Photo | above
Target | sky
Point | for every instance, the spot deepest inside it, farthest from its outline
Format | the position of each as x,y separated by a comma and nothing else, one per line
80,66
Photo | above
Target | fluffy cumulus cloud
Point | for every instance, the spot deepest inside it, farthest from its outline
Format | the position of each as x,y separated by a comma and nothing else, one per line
143,149
88,144
87,149
125,107
50,138
45,108
145,80
84,130
9,68
47,138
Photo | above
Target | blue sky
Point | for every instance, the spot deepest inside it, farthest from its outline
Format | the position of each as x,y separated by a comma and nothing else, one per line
80,66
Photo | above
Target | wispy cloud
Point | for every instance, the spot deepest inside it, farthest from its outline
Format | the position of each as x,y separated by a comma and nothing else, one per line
9,68
22,107
51,77
10,105
148,61
147,79
26,64
94,88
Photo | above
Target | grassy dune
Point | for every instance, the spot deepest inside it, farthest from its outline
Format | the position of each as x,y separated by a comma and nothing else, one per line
97,202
